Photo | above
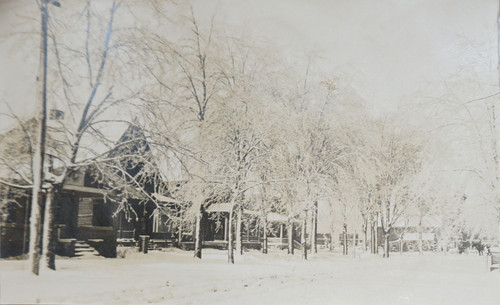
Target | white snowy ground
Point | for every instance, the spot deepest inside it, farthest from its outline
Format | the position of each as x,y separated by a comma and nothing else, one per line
174,277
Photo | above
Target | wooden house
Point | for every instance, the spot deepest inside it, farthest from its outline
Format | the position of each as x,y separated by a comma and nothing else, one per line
147,214
406,234
80,215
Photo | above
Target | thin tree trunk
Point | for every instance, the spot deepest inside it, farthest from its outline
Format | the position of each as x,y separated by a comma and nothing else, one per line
226,228
310,226
373,243
239,239
303,238
281,236
345,249
198,239
290,236
332,238
314,229
371,238
354,244
375,238
230,245
264,236
420,244
25,228
365,233
386,244
247,230
471,239
179,230
49,238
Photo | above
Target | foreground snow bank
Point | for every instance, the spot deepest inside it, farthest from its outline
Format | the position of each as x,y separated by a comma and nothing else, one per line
174,277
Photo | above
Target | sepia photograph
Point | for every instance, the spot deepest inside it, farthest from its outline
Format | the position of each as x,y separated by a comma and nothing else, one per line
260,152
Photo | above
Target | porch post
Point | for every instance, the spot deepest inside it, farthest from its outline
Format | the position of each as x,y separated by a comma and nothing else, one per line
179,230
226,226
248,229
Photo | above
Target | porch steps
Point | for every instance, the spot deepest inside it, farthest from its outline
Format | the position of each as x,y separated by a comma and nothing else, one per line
84,250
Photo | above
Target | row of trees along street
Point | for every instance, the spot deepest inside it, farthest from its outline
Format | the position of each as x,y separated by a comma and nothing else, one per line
228,116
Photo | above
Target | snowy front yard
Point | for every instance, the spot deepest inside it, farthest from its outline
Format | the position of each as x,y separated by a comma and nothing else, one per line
174,277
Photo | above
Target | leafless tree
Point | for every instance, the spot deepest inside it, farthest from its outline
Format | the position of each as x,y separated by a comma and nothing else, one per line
84,94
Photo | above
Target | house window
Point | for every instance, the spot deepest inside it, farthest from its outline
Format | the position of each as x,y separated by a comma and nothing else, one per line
161,222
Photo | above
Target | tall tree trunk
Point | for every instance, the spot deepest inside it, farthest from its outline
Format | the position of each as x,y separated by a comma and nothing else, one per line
373,242
198,238
179,232
314,229
26,222
420,242
332,238
345,249
239,231
444,247
39,152
290,236
303,238
354,244
365,233
49,241
375,234
230,239
281,236
264,235
386,244
493,125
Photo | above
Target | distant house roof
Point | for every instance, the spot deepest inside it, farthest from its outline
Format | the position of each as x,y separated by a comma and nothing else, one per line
87,191
226,208
219,207
163,198
427,221
276,217
415,236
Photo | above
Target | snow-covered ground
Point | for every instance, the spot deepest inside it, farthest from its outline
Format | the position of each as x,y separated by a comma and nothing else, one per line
174,277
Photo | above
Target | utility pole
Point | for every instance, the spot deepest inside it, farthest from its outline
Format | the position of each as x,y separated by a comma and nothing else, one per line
38,158
35,245
494,130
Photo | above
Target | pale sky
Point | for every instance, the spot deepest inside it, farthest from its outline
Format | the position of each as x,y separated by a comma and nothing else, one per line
388,50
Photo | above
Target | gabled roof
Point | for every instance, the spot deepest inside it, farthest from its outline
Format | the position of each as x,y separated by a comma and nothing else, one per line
132,140
15,150
163,198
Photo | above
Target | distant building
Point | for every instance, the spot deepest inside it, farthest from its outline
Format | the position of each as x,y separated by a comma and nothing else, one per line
407,233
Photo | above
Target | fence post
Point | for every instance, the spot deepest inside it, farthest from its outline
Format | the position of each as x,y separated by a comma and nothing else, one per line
144,244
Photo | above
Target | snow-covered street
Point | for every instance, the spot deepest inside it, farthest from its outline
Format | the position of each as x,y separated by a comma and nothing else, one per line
368,128
174,277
